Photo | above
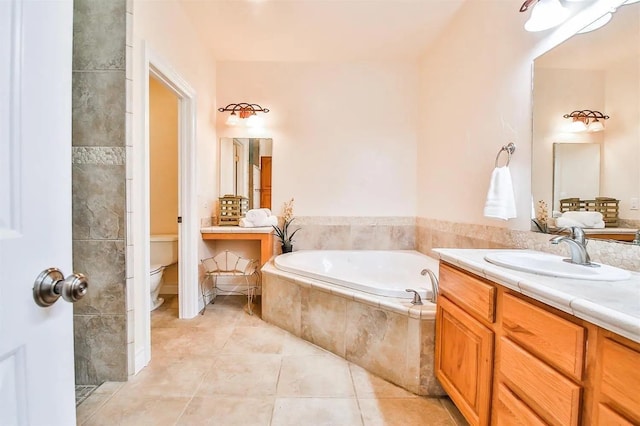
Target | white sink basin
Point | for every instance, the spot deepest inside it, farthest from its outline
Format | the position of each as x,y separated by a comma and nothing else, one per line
555,266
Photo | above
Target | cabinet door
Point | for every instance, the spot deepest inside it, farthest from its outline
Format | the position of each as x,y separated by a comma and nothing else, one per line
620,384
464,360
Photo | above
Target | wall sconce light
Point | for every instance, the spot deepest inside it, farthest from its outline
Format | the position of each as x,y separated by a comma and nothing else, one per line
586,120
243,111
545,14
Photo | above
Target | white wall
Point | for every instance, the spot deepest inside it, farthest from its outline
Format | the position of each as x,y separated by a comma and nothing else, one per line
344,134
167,31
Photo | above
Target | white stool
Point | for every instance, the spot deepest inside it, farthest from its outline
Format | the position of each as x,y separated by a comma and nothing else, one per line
230,264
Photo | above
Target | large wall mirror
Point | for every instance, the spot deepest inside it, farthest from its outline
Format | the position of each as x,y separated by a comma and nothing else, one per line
245,169
597,71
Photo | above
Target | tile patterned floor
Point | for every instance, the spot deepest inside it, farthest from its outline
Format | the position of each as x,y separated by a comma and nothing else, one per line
229,368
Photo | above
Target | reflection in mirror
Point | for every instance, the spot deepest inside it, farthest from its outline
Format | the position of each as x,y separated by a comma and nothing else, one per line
245,169
576,171
598,71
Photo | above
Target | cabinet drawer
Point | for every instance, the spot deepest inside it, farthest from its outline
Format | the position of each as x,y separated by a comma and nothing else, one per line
477,297
606,416
559,342
551,395
621,376
510,410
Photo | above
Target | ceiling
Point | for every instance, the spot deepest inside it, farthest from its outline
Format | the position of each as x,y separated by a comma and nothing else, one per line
319,30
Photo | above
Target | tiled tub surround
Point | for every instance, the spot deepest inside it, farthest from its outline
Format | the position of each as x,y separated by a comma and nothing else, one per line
354,233
431,233
389,337
614,306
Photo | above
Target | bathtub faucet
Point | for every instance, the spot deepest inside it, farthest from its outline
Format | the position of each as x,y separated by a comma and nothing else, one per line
416,297
434,284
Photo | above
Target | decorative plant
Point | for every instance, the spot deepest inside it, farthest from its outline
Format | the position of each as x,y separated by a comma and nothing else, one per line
283,233
541,217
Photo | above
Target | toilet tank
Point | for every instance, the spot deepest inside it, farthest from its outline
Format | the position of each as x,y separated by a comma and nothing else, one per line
164,249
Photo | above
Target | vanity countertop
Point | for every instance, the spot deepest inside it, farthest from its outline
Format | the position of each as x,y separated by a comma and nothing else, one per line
235,230
612,305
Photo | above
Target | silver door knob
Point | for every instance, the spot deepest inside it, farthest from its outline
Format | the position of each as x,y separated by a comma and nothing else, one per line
51,284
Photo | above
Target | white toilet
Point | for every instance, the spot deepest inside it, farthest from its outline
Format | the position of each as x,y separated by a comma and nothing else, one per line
164,252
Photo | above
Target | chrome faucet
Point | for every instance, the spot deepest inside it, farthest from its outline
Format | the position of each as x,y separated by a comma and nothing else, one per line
577,245
434,284
636,240
417,300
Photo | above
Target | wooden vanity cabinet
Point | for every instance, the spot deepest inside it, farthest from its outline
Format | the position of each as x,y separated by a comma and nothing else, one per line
464,357
617,383
506,359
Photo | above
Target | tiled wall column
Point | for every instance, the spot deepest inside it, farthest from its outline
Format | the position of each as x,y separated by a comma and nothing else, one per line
99,98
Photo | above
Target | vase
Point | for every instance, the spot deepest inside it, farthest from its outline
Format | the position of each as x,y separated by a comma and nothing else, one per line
287,248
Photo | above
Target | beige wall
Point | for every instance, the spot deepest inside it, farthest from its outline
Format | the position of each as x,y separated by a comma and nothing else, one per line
344,134
163,159
622,136
558,92
475,97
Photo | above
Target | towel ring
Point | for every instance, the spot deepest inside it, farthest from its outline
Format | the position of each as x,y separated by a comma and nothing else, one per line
509,149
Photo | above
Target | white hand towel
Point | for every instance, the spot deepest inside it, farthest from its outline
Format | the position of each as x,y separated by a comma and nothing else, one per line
257,215
244,223
501,203
268,221
589,219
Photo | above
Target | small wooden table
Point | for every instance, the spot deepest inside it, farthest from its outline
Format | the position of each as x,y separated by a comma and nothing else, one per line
263,234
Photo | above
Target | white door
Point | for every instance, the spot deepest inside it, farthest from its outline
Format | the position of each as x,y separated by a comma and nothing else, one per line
36,343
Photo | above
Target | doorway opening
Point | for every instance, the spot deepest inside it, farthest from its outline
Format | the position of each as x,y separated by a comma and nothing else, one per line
156,70
164,197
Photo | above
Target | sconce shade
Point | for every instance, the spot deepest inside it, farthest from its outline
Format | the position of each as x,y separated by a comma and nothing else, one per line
233,119
545,14
244,111
586,120
577,126
595,126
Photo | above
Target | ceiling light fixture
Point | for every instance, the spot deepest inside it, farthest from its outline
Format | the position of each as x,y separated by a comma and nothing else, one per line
545,14
246,111
586,120
598,23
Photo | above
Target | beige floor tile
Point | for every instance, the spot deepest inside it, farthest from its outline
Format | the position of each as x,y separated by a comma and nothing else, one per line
316,412
265,340
228,411
189,341
169,376
293,345
242,375
142,410
90,406
96,400
404,412
454,412
368,385
323,375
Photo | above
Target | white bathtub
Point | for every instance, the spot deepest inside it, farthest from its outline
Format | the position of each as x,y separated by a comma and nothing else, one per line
379,272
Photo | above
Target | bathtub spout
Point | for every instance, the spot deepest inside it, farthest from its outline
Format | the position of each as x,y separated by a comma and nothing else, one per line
434,284
416,297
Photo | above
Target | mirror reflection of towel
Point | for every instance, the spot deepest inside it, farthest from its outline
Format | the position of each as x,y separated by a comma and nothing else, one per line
581,219
501,203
